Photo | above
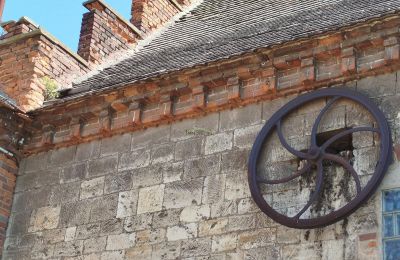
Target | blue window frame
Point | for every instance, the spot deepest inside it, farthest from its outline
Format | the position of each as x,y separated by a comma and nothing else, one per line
391,224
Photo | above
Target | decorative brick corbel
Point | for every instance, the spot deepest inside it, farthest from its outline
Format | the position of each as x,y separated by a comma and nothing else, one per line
105,121
269,77
76,128
233,87
392,49
307,70
135,113
48,134
166,106
199,98
348,65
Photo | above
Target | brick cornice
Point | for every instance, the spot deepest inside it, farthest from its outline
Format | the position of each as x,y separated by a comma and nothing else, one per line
369,49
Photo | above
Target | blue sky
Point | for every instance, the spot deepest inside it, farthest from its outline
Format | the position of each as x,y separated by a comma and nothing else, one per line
62,18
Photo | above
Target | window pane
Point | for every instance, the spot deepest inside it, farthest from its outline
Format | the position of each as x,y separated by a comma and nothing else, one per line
398,224
397,201
388,226
392,250
389,200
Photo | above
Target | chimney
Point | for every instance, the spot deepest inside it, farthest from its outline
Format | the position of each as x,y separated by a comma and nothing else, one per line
2,3
149,15
33,63
104,33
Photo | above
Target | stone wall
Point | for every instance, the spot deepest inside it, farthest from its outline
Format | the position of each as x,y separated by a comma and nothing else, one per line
179,191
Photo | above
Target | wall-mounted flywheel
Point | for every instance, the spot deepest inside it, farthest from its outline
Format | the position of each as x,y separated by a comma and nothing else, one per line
319,158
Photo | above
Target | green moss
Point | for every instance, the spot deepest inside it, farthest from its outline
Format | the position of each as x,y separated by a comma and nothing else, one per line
51,88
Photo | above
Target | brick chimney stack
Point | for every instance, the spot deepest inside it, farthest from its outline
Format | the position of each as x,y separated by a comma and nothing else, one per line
2,3
150,15
104,33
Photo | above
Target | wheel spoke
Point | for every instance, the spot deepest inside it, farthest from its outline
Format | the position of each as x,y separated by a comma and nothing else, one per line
316,193
347,166
287,146
347,132
318,121
300,172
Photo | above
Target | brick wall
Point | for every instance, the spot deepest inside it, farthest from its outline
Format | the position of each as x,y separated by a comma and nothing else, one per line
104,34
27,54
8,171
149,15
180,191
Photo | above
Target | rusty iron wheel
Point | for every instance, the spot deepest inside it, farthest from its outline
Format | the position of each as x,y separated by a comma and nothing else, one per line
316,154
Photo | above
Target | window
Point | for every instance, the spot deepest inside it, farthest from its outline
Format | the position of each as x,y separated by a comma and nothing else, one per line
391,224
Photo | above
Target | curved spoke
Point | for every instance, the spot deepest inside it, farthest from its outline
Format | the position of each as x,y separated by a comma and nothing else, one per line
347,132
305,169
316,193
318,120
347,166
287,146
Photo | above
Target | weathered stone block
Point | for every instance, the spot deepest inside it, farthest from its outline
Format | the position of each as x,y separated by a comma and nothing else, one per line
378,86
122,241
68,249
236,187
70,234
224,242
234,162
195,168
183,193
151,236
116,144
150,199
218,143
271,106
139,252
151,136
287,235
138,222
244,137
214,189
166,218
87,150
62,156
270,252
44,218
73,173
257,238
333,249
213,227
112,226
94,245
103,166
223,208
196,247
243,222
233,119
119,182
195,213
168,250
247,206
104,208
189,128
113,255
172,172
134,160
92,188
183,231
87,231
188,149
127,202
162,153
148,176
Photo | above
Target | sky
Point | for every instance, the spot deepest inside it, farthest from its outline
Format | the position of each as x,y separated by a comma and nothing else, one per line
62,18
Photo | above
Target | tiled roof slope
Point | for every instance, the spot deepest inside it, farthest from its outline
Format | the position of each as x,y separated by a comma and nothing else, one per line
6,101
218,29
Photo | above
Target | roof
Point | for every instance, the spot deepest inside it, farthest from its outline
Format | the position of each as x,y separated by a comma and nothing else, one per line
219,29
6,101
